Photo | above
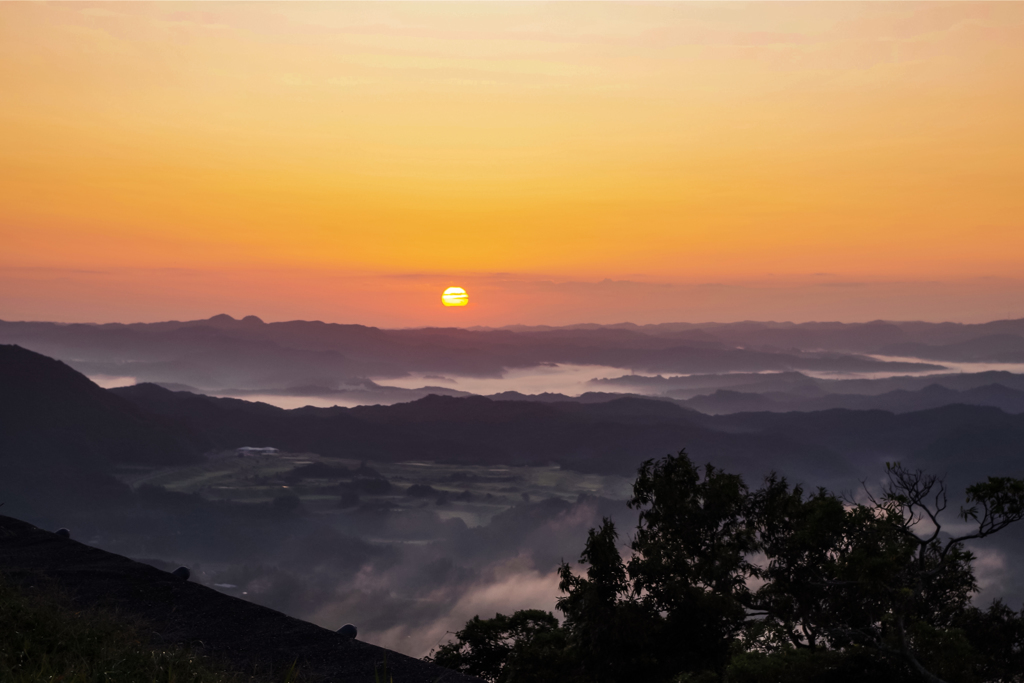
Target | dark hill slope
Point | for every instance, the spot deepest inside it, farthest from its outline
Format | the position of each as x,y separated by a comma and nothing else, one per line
226,423
178,612
967,443
611,437
54,416
51,414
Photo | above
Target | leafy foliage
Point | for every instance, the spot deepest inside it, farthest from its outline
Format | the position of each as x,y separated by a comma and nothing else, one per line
608,630
527,646
690,558
777,584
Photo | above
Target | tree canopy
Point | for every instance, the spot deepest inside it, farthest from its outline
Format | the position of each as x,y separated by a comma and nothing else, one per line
723,583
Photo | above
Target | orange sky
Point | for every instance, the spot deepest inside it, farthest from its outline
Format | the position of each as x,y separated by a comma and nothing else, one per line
348,161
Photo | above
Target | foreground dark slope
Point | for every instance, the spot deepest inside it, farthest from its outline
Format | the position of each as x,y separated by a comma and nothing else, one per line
176,612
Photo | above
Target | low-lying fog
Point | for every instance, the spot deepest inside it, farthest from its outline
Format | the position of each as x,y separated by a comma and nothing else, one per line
407,551
554,378
571,380
951,366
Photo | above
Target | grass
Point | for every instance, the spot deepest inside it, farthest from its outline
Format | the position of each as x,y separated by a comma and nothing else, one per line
381,673
44,638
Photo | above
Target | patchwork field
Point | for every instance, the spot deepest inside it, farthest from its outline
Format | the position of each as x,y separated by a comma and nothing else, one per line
330,486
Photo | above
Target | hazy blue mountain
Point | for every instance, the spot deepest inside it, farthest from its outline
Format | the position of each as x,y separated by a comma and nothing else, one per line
867,337
899,401
688,386
797,384
994,348
222,353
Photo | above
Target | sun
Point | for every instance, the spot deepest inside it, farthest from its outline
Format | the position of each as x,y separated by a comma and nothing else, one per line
455,296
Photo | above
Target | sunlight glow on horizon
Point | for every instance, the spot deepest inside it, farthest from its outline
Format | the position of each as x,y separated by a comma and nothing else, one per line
158,158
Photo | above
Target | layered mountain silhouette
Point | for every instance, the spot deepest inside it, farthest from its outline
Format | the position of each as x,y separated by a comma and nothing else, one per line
869,337
899,401
798,385
223,353
994,348
53,414
53,417
63,439
61,435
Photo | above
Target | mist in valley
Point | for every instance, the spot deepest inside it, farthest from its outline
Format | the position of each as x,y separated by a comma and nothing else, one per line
419,478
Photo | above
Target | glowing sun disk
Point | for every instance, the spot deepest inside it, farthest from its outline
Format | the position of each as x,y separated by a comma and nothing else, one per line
455,296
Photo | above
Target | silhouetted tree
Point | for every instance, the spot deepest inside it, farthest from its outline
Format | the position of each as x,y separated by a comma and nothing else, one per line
610,631
880,575
528,646
996,636
690,558
771,585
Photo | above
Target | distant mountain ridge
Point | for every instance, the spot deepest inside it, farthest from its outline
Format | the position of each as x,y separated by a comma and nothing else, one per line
1005,348
609,436
224,353
867,337
898,401
798,384
148,424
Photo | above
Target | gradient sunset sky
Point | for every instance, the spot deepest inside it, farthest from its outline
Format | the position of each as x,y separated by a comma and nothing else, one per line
570,162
